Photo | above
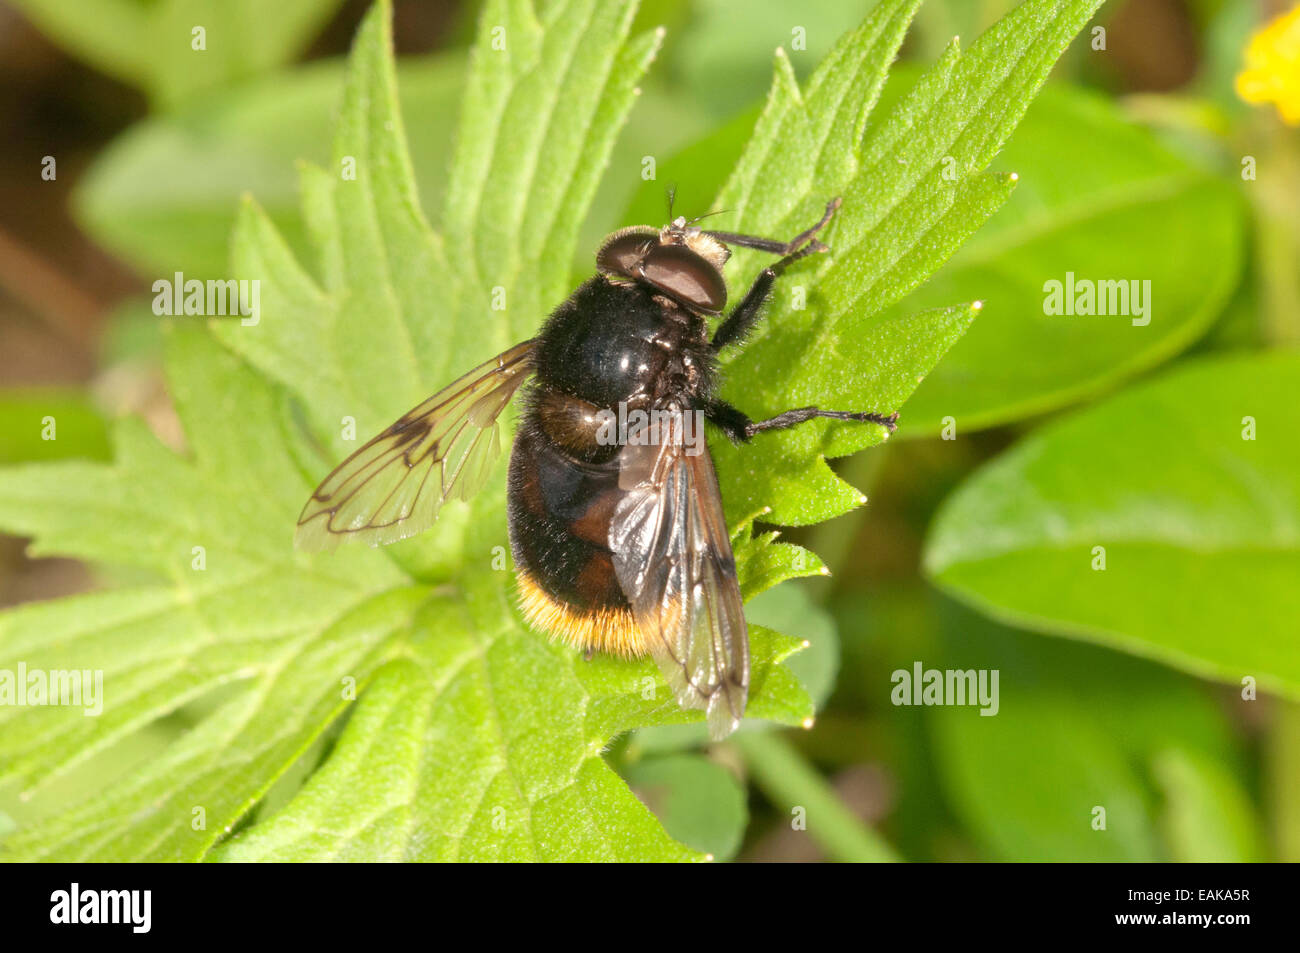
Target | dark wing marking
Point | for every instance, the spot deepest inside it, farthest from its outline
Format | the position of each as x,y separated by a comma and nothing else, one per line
673,559
394,486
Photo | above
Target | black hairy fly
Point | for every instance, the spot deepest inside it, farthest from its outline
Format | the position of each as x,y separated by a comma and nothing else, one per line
616,522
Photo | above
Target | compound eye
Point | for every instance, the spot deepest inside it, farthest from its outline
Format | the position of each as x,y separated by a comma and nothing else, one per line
681,273
625,250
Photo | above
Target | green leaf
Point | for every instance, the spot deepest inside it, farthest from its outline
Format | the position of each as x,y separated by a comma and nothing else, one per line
722,58
489,737
1199,524
1100,731
455,755
49,425
537,126
266,647
1208,818
142,200
699,802
451,756
241,615
105,33
913,191
153,45
1097,196
792,609
1101,199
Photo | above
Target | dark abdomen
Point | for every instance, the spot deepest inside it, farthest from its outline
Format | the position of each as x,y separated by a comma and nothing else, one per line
560,510
559,514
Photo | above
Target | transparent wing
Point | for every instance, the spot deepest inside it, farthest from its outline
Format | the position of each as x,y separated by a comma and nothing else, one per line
673,559
394,486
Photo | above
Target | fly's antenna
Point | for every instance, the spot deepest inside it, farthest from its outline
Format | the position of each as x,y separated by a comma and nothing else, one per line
672,196
697,218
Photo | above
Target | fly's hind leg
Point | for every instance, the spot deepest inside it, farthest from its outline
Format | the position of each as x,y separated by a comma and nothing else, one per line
746,314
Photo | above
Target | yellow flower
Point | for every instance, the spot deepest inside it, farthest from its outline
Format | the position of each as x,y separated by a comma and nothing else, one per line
1272,73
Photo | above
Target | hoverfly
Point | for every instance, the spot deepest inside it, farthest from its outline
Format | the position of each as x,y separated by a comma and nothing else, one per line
620,546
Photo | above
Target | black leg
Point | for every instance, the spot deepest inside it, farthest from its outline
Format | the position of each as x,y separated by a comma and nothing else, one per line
734,423
799,415
746,314
782,248
740,428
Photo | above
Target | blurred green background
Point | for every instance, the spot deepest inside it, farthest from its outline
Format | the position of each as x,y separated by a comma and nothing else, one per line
1036,440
